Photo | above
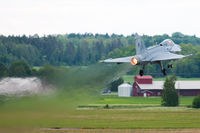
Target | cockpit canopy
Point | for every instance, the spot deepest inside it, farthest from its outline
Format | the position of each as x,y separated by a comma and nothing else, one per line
167,42
170,45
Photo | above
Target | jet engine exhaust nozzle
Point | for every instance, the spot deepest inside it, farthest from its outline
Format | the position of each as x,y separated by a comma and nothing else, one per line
134,61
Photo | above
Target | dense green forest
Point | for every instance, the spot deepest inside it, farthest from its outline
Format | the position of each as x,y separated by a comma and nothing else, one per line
85,49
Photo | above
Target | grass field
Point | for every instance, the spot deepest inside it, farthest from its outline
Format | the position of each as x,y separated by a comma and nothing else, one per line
133,114
124,113
128,119
114,99
149,118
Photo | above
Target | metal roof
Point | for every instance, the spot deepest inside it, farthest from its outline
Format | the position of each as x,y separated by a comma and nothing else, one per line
143,77
158,85
125,85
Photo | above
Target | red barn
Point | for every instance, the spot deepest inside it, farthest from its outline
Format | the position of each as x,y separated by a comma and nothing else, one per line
143,79
144,86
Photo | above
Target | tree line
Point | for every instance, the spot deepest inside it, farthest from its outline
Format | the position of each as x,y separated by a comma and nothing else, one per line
85,49
47,73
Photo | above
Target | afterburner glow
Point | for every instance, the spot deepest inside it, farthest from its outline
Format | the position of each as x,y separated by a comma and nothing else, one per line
134,61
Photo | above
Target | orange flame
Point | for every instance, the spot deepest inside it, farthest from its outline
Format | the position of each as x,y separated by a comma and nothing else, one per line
134,61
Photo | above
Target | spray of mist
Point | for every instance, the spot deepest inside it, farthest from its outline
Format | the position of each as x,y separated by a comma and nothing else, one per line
23,87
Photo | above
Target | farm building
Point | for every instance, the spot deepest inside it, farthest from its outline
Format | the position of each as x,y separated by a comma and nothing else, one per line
125,90
145,86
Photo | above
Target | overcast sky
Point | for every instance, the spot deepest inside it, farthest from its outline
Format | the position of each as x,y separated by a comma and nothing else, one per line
151,17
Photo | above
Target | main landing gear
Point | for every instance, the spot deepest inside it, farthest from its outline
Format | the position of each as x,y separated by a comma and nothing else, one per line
163,70
142,71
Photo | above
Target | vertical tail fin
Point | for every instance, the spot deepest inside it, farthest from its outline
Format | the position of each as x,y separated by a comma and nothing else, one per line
140,47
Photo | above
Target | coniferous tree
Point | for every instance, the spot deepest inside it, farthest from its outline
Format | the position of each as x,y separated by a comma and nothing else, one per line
170,95
114,85
196,102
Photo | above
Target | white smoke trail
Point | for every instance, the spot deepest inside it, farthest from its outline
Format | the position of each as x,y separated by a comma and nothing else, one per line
23,86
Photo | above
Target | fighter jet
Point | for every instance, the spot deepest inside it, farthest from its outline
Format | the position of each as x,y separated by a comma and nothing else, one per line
164,51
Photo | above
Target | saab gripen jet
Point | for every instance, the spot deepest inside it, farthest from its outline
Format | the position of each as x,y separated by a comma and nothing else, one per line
164,51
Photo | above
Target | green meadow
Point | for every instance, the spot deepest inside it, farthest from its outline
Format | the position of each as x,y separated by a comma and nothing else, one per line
122,113
114,99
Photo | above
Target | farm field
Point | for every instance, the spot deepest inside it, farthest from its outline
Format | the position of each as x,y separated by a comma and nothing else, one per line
114,99
138,118
124,114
